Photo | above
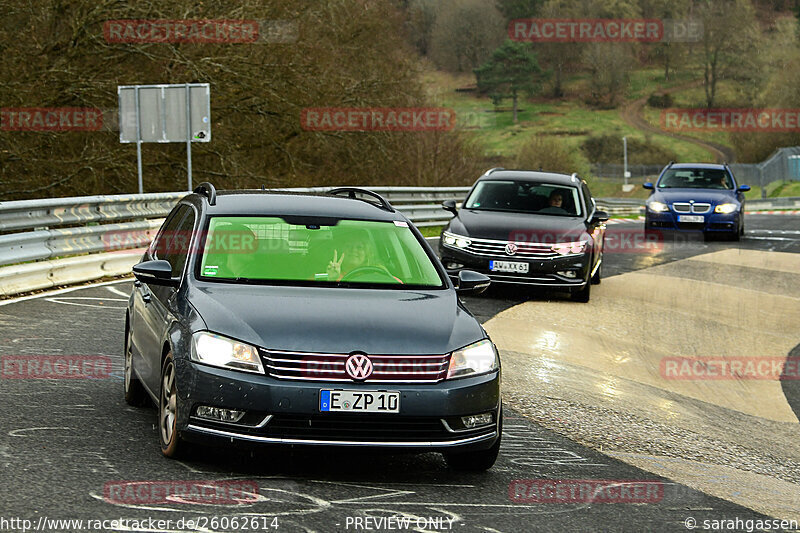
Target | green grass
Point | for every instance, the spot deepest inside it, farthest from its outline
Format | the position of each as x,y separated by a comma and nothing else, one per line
431,231
776,189
653,116
645,82
572,121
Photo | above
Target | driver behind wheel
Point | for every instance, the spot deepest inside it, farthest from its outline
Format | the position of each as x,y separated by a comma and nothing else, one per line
355,260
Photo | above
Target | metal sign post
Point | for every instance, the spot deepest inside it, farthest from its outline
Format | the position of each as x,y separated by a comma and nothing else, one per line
165,114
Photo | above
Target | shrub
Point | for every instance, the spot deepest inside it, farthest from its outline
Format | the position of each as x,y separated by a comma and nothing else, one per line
550,154
608,149
660,100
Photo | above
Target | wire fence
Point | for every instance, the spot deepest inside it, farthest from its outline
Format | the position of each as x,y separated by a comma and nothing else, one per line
782,165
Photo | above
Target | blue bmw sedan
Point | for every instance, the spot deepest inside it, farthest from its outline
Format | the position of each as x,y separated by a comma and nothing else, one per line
696,197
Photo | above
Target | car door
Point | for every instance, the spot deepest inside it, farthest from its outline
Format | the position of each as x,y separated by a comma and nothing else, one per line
172,244
597,231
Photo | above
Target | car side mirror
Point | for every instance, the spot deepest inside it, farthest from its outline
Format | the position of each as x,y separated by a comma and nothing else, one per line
450,205
470,282
648,185
599,216
743,188
158,272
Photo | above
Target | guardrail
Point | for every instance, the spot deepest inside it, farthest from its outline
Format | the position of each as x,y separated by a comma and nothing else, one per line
46,243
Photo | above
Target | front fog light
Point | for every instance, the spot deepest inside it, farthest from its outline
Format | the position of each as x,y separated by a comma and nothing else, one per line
453,266
219,414
474,421
567,273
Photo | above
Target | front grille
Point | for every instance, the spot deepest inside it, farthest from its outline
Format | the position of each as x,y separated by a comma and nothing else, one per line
331,367
525,250
686,207
360,427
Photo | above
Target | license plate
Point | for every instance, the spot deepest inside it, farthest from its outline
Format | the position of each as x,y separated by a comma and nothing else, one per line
508,266
359,401
691,218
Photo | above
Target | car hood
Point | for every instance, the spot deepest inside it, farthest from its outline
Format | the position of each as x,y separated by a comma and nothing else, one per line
337,320
504,226
711,196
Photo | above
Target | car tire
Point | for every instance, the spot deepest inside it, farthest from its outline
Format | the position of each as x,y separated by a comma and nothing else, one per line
172,445
583,294
135,395
478,461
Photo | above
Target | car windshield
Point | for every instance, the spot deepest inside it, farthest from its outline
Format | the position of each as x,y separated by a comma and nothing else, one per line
695,178
525,197
349,253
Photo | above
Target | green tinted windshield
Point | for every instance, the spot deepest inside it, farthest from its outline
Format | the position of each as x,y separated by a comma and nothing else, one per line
351,251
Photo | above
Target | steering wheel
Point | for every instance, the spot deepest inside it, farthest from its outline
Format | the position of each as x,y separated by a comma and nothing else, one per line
367,270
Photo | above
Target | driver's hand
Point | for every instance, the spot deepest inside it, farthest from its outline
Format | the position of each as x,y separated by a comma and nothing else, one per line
335,266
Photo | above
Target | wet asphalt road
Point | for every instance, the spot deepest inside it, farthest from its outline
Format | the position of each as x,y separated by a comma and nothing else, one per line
62,441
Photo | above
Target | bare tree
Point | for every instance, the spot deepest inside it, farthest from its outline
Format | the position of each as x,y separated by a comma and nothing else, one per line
465,34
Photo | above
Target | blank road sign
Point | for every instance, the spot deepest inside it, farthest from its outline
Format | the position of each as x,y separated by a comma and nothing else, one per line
162,113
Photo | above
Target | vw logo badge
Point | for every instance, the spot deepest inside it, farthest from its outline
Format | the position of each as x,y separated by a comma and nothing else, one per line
358,366
511,248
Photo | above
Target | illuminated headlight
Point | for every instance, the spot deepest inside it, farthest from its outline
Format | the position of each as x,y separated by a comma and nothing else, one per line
565,248
657,207
216,350
451,239
726,208
478,358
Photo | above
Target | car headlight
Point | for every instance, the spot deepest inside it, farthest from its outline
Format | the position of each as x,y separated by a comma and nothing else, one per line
459,241
657,207
565,248
216,350
477,358
726,208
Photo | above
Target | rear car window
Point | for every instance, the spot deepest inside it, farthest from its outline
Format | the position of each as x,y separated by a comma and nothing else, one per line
352,252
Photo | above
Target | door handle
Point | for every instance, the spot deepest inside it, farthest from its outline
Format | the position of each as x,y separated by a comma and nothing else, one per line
146,298
137,283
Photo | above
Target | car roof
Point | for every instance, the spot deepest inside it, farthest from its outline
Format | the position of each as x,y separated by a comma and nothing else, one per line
531,175
698,165
270,203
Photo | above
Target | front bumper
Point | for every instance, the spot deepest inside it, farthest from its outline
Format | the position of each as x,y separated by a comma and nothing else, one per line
712,222
287,412
541,272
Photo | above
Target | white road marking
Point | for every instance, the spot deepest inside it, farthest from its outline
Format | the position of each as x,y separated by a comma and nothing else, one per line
60,300
62,291
117,291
